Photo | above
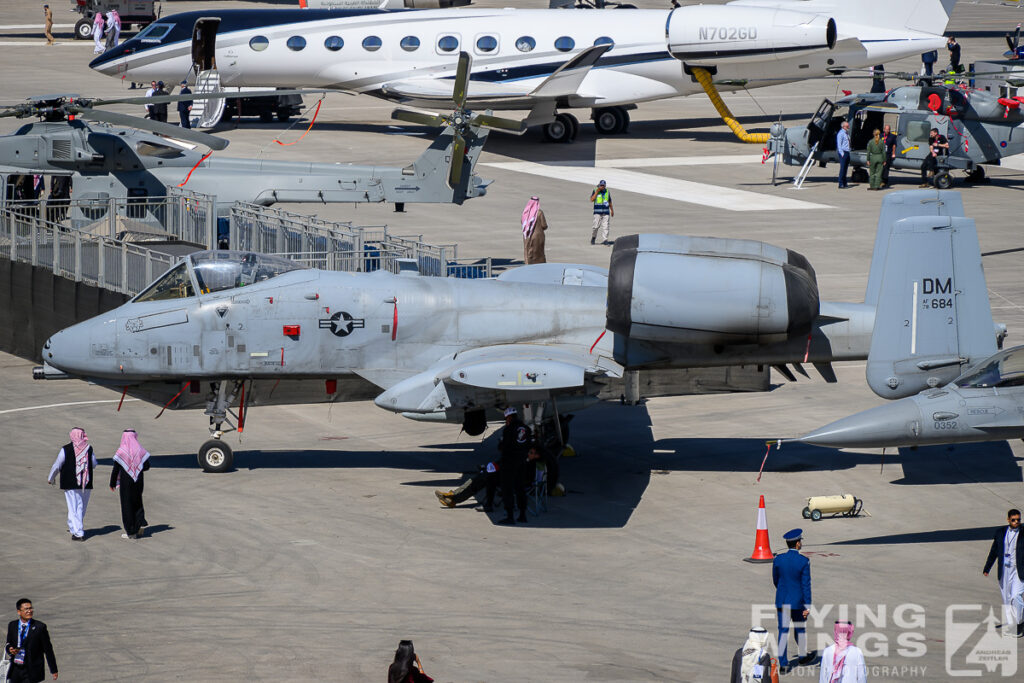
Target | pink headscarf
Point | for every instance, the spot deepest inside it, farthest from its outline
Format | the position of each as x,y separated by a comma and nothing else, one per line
530,216
131,456
80,442
98,20
843,632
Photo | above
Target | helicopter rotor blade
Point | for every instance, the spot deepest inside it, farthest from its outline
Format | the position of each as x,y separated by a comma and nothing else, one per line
159,127
422,117
498,123
461,89
458,157
219,95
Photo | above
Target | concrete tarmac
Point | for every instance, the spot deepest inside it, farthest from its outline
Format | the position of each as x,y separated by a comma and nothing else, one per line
326,546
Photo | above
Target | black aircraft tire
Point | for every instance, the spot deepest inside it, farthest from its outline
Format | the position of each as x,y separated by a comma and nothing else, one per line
284,117
83,29
558,130
816,515
943,180
807,513
574,126
606,121
266,116
215,456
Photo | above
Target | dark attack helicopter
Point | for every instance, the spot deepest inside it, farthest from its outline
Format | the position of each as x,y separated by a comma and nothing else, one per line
76,137
980,127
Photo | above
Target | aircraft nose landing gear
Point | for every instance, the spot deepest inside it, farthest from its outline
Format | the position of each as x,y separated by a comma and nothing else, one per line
215,455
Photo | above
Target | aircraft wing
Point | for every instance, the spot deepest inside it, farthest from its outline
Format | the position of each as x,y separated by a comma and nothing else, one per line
565,81
498,374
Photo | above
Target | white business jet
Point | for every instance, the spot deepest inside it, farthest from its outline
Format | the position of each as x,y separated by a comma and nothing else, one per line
541,61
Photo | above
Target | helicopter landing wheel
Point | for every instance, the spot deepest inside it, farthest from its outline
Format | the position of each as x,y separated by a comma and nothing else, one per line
943,180
977,175
215,456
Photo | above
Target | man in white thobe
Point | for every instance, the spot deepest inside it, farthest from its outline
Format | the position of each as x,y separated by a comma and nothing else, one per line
74,466
1008,550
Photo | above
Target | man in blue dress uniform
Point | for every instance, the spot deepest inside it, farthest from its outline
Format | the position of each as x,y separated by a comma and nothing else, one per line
791,574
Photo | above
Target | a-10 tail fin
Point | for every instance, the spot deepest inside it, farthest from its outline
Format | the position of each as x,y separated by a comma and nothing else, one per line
932,315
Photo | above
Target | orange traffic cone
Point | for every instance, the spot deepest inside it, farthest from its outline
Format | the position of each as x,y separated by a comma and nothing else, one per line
762,546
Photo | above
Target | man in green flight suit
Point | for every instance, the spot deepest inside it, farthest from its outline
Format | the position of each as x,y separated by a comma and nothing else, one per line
876,160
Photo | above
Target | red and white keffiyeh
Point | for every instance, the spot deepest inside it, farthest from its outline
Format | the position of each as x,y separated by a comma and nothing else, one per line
530,216
80,442
131,456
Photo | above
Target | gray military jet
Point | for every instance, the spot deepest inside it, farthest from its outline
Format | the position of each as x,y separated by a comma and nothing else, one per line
981,128
227,328
106,161
933,349
986,403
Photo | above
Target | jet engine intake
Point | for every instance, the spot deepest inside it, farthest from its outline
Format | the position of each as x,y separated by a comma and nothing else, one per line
708,290
706,35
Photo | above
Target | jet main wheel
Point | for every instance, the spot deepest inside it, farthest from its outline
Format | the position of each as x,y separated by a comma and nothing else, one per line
562,129
215,456
943,180
83,29
608,120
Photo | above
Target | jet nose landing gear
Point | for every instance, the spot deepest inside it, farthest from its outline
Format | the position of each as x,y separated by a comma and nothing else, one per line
215,456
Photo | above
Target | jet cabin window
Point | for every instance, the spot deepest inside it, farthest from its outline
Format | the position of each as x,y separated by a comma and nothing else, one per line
334,43
486,44
605,40
259,43
175,284
564,44
447,44
525,44
1004,370
410,43
154,33
296,43
219,270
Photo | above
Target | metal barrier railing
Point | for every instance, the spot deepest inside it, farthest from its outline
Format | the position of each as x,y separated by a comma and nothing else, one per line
95,259
181,215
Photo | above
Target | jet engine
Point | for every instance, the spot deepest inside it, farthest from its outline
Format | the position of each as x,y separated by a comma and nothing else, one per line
704,35
708,290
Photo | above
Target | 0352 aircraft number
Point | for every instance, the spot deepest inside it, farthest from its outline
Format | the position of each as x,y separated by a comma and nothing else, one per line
727,33
945,425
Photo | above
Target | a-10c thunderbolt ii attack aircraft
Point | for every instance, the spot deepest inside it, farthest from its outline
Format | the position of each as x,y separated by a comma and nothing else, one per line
951,382
223,327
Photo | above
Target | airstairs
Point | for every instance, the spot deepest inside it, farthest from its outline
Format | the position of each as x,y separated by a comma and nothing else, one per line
206,113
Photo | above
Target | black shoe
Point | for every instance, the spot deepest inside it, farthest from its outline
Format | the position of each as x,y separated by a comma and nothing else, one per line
523,519
1020,630
593,240
507,520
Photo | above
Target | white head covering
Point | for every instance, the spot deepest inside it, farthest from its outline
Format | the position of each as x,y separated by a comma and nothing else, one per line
759,642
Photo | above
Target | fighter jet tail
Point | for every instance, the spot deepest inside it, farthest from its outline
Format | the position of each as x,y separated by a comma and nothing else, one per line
932,314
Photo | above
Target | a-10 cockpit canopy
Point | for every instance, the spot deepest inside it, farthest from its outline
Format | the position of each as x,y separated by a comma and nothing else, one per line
1005,369
205,272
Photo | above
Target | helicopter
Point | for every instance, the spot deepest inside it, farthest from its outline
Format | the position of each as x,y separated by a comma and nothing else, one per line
979,126
113,155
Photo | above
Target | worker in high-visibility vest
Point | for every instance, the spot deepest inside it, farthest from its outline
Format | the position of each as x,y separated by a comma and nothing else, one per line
603,212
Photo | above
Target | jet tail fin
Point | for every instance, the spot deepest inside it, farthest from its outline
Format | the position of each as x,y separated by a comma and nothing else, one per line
932,314
926,16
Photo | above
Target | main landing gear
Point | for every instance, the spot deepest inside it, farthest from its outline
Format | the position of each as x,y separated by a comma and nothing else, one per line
607,120
215,455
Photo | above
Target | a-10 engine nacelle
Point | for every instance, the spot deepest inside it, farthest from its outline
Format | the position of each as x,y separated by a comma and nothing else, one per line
708,290
705,35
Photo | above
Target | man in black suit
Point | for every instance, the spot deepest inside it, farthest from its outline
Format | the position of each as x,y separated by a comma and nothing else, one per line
1008,550
28,642
889,140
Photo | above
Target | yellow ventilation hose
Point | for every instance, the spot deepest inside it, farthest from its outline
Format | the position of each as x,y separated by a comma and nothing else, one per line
704,78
